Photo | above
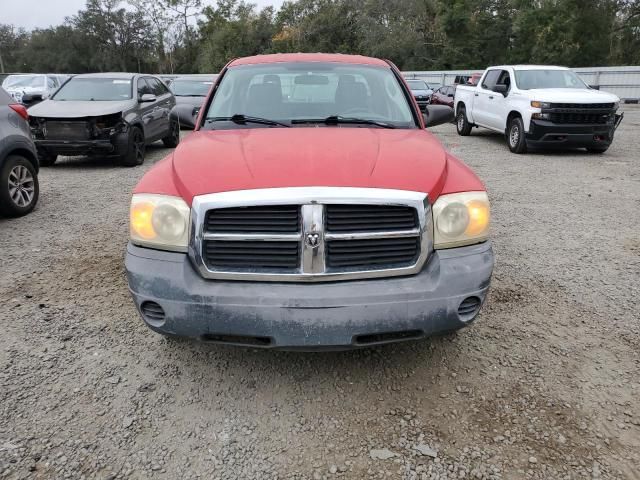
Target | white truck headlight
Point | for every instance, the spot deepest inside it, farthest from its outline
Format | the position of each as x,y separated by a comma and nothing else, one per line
159,221
461,219
537,104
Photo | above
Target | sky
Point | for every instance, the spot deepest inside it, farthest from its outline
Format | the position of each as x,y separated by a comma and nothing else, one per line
32,14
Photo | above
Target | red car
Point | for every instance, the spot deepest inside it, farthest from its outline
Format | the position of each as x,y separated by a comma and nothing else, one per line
310,209
443,96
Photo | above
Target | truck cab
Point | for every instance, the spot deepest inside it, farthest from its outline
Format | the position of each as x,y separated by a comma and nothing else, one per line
537,106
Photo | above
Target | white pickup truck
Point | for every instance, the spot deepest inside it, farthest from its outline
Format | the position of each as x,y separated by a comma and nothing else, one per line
536,106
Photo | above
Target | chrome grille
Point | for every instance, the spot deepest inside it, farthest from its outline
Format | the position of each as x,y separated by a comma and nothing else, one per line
310,234
360,218
275,218
372,252
252,254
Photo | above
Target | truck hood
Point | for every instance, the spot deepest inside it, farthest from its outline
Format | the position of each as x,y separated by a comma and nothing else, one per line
571,95
55,109
421,93
226,160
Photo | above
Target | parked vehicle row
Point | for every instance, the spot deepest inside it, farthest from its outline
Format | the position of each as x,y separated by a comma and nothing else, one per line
29,89
538,106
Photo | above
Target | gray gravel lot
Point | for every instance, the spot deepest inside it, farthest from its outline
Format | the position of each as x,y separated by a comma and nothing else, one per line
544,386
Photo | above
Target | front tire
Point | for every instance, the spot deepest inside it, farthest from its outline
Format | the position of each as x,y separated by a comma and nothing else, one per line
462,123
19,187
135,148
173,139
515,136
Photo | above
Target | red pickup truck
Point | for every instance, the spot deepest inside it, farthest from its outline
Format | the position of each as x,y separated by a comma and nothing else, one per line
310,209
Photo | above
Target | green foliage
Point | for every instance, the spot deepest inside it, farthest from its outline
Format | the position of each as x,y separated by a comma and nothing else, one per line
189,36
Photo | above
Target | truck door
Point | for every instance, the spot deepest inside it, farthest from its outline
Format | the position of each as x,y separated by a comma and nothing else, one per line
497,104
482,104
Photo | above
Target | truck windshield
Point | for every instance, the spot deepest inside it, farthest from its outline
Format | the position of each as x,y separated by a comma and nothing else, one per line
94,89
299,93
24,81
532,79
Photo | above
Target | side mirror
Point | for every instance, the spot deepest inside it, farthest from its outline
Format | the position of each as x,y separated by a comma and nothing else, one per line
501,89
147,98
31,98
437,115
450,95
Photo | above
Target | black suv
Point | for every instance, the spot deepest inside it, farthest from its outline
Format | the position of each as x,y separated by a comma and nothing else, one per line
19,188
112,114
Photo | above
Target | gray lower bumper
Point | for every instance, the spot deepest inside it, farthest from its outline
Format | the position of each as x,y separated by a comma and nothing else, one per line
310,316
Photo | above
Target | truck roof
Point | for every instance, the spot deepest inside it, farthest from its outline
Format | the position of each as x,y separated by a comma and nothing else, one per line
308,57
531,67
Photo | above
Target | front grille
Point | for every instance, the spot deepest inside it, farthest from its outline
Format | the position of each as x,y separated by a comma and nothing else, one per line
580,118
581,106
372,252
277,218
580,113
72,130
370,218
324,237
243,254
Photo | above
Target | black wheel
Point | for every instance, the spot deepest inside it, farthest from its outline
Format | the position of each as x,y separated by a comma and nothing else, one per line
515,136
462,124
135,149
19,189
173,139
598,149
46,159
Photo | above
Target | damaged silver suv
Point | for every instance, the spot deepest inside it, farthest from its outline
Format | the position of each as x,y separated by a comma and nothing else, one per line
106,114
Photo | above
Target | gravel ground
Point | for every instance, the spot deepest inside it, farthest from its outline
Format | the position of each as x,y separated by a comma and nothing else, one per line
544,386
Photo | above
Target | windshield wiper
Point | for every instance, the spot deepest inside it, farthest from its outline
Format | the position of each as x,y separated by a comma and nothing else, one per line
337,119
244,119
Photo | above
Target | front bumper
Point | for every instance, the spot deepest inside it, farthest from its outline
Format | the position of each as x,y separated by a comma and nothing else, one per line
116,145
332,315
544,133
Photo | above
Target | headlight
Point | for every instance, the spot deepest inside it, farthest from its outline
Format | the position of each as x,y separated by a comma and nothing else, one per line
536,104
159,221
460,219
